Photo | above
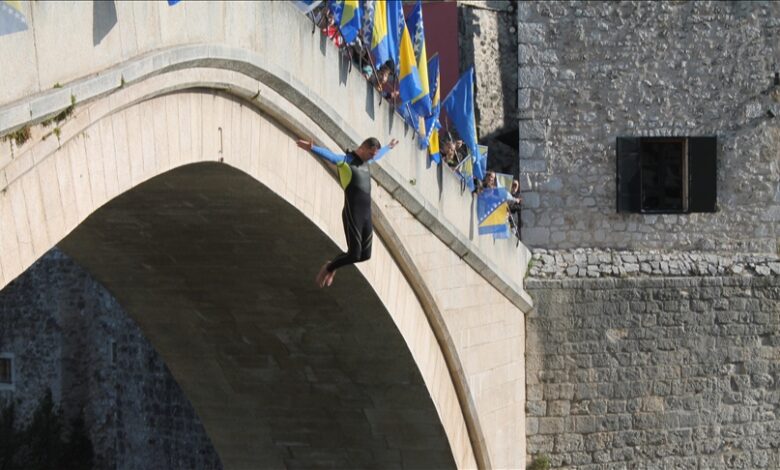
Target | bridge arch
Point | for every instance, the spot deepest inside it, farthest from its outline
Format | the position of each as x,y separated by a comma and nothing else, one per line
468,287
124,148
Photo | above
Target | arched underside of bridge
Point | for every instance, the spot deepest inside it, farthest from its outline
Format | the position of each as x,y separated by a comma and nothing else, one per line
199,213
218,272
453,297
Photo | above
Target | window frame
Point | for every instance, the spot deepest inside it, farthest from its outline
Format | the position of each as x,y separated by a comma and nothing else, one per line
699,174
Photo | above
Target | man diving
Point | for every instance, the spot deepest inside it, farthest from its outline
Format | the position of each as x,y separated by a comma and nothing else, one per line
355,178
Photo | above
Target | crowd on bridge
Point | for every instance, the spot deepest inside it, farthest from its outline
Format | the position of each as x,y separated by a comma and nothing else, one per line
389,50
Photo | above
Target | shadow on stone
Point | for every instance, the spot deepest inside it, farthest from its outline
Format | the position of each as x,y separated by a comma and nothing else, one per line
103,19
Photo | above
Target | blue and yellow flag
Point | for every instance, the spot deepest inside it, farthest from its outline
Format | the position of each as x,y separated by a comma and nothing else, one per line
432,124
409,86
421,104
459,105
465,170
493,212
380,41
12,19
346,14
394,16
405,111
434,84
350,21
433,145
306,6
504,180
367,17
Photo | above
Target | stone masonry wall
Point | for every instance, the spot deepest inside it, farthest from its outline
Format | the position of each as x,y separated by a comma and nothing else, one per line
592,71
68,334
655,372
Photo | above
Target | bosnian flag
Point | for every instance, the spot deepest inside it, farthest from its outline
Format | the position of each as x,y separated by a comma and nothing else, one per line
306,6
12,19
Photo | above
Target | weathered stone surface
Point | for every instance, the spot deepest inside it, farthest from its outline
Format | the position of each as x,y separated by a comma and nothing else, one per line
655,372
70,335
602,81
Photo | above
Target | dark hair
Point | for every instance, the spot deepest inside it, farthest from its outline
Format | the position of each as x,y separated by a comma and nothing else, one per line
372,142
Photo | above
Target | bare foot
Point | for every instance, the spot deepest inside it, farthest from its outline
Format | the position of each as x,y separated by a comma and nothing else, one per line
329,278
320,279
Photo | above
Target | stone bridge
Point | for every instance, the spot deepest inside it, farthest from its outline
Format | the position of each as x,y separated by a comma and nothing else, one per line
161,157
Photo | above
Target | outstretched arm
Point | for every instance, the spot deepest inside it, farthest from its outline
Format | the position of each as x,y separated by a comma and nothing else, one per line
381,153
321,152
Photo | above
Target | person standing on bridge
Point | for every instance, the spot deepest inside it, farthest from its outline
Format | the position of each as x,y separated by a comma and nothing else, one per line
355,178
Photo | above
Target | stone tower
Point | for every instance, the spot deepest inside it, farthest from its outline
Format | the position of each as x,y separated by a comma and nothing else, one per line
649,154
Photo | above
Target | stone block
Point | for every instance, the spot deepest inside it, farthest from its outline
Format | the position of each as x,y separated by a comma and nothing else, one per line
550,425
532,166
540,444
536,408
531,130
523,98
532,426
536,236
526,149
553,184
531,200
530,33
531,77
525,54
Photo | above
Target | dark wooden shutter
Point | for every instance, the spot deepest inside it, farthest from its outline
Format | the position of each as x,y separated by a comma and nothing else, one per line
702,174
628,181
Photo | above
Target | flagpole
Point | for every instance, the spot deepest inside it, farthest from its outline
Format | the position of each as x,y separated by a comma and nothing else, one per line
343,47
343,41
367,49
313,22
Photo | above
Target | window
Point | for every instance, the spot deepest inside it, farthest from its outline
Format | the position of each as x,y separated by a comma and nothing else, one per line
666,174
6,371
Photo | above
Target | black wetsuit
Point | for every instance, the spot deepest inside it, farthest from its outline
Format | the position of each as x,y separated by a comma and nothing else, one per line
356,214
355,178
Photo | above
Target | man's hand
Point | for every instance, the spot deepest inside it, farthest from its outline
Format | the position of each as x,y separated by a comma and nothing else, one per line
305,144
393,143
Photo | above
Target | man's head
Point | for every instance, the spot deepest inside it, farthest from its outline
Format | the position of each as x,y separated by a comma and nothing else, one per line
368,149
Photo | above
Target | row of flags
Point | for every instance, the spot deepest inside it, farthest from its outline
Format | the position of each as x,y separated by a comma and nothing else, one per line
401,40
390,36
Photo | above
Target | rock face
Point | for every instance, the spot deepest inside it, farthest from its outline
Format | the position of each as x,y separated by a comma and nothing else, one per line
654,372
656,346
591,72
68,334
